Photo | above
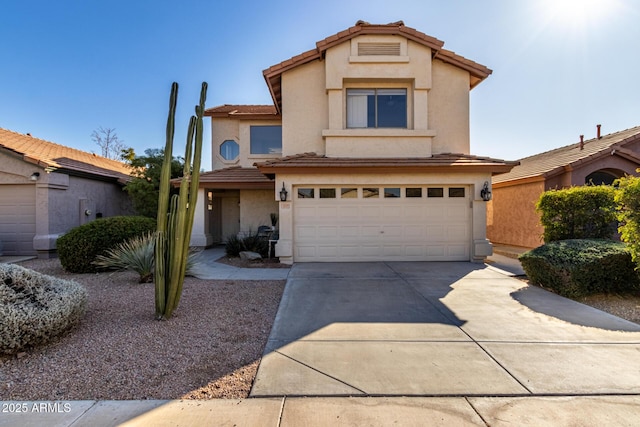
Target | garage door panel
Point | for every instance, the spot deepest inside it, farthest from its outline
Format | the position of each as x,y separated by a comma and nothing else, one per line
414,232
392,231
349,231
327,232
306,232
368,229
17,219
348,251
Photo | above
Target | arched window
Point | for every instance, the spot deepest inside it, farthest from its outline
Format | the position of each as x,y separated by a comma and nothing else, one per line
600,177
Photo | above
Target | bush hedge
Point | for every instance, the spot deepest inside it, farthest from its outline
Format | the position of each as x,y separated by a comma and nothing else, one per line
35,307
586,212
78,248
628,199
579,267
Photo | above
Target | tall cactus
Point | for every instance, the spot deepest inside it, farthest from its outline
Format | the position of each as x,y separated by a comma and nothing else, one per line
175,214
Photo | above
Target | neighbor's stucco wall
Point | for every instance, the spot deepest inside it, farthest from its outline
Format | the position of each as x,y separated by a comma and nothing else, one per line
511,216
63,202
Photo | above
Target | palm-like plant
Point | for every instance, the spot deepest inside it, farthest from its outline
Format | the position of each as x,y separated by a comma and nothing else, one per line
136,254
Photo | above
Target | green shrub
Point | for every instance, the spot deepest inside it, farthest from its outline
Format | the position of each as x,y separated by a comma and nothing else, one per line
78,248
575,268
587,212
35,307
628,199
250,242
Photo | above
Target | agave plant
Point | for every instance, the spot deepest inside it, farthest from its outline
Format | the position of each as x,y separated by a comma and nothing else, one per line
136,254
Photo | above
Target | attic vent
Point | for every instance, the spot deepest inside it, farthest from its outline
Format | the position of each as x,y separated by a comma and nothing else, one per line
390,49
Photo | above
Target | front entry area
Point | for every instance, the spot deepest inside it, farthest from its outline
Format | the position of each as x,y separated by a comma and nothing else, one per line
382,223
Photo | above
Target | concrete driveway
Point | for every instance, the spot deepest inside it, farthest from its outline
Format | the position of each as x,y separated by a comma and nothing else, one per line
439,329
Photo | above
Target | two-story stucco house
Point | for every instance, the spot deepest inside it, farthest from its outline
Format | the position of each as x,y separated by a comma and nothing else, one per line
364,154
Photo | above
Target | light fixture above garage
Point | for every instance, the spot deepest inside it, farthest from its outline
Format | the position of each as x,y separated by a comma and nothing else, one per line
485,193
283,193
34,176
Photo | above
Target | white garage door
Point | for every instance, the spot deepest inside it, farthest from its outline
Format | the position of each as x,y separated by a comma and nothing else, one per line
17,219
382,223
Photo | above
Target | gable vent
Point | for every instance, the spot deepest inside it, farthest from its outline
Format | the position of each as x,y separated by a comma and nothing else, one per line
390,49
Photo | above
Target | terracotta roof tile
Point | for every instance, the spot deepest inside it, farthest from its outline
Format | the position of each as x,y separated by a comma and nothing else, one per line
273,74
50,155
453,162
242,111
552,162
235,177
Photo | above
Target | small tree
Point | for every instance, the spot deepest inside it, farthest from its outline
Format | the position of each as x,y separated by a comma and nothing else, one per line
628,199
111,146
144,186
587,212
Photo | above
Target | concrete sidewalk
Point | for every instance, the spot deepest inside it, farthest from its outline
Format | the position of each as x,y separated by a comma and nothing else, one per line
208,269
549,411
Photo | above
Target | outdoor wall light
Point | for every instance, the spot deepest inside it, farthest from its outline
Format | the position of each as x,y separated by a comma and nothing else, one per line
485,193
283,194
34,176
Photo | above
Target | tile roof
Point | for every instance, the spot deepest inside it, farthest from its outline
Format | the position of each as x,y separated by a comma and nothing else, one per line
236,177
553,162
52,156
312,162
243,111
273,74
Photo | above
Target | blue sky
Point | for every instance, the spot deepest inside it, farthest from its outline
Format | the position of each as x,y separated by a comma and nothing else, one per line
71,66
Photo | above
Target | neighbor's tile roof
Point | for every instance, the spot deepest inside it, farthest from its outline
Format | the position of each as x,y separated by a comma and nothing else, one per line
52,156
243,111
235,178
553,162
273,74
310,162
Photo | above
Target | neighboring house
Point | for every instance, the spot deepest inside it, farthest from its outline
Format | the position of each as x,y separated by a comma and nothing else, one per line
512,219
46,189
367,142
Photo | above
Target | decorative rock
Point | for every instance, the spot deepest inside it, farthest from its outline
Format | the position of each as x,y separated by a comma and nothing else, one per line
250,256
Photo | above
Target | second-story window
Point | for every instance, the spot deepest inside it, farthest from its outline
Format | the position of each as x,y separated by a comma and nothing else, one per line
376,108
266,140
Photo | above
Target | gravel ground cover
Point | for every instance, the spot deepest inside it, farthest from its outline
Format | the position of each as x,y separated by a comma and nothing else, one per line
210,348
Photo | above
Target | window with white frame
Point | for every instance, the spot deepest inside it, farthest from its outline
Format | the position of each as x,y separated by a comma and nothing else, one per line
377,108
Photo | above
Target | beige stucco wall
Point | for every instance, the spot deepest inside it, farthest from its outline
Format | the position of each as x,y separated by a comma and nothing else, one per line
240,132
255,209
449,109
511,216
314,103
304,109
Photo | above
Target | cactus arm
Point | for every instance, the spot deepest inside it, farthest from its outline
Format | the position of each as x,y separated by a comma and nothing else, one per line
163,204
